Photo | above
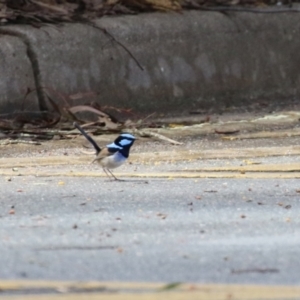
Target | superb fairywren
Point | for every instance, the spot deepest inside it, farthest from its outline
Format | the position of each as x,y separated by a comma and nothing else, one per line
114,154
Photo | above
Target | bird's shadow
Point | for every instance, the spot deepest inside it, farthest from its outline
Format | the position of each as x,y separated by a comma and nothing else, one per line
130,181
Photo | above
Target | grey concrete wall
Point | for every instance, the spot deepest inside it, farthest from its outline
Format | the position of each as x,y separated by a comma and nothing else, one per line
15,74
191,60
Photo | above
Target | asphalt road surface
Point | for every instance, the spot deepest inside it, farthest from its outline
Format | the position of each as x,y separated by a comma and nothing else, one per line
166,230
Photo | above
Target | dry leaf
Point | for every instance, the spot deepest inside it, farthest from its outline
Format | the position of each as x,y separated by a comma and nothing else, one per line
162,216
250,162
175,125
226,131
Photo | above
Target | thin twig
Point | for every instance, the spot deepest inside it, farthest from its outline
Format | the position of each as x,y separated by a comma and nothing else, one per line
8,142
146,133
54,8
117,42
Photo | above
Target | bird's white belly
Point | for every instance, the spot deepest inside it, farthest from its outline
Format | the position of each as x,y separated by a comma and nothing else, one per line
112,161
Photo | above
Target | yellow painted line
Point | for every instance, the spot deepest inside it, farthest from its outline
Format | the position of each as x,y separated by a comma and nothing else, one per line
169,175
12,162
161,296
186,155
151,158
65,285
144,291
280,167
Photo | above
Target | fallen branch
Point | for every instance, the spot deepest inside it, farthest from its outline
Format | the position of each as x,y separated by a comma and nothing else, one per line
8,142
146,133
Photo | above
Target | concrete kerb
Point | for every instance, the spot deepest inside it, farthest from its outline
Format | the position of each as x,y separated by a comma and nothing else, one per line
15,74
190,60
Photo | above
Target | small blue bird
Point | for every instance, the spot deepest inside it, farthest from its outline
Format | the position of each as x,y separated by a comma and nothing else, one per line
113,155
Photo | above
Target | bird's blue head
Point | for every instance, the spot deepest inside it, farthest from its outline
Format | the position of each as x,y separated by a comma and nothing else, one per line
122,143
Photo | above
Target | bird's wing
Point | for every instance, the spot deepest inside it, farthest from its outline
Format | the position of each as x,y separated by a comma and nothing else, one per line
106,152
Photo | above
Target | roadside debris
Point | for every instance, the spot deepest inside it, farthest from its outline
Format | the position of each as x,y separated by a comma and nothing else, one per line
37,12
33,127
254,270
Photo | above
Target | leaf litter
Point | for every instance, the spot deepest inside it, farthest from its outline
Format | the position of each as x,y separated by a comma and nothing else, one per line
35,127
38,12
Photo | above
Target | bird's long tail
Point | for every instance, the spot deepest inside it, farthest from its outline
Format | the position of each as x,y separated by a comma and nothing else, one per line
95,145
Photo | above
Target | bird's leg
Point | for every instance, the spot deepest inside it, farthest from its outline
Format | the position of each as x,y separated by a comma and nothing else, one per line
107,174
110,172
